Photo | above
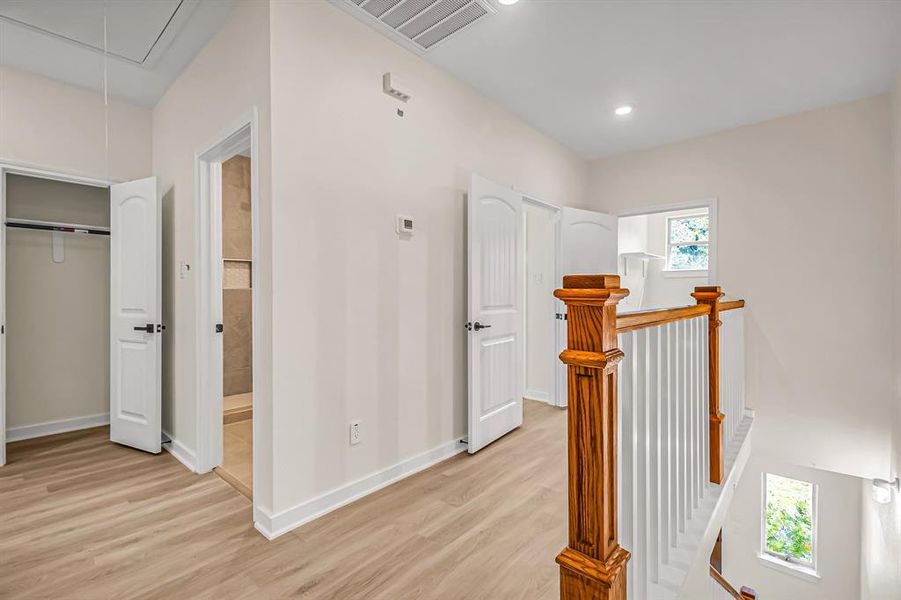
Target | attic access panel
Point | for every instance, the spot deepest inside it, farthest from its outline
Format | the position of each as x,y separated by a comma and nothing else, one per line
134,28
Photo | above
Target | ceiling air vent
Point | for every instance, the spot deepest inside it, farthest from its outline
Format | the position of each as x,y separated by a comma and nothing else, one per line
419,24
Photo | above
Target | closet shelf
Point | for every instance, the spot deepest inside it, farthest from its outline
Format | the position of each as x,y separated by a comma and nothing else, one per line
54,226
642,255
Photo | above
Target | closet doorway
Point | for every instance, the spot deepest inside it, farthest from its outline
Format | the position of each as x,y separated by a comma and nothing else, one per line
227,354
80,306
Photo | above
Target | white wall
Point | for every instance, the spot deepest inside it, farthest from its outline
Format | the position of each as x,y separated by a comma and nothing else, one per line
838,534
880,550
632,236
53,125
226,79
370,327
806,232
880,567
57,314
541,274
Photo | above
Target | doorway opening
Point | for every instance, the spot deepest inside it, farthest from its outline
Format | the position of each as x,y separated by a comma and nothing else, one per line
541,227
518,250
228,307
665,253
237,321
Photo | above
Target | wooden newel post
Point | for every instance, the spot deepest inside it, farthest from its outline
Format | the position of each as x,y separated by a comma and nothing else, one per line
593,565
710,295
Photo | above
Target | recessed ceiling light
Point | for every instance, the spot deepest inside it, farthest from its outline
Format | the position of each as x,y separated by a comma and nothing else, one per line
508,2
622,111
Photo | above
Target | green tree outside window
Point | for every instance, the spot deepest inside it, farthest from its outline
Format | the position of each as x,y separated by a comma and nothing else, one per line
789,518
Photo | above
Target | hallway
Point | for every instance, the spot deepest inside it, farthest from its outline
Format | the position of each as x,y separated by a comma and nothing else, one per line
85,518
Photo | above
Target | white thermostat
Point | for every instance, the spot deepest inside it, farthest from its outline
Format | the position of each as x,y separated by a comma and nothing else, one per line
404,225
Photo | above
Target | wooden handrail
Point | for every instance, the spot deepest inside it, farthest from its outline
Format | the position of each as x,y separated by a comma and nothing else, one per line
631,321
730,589
593,564
651,318
745,593
731,304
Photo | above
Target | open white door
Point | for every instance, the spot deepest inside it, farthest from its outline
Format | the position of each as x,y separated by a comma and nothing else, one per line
135,314
495,311
588,246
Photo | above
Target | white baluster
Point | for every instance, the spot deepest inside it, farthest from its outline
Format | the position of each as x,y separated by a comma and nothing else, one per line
672,517
681,430
627,452
640,525
654,435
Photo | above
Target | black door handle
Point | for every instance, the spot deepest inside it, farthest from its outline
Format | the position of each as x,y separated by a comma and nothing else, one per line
478,326
220,328
148,328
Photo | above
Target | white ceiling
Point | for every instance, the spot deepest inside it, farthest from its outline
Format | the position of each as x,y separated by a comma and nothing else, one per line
688,67
149,43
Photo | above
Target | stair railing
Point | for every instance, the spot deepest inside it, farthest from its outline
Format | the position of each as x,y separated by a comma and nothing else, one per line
594,564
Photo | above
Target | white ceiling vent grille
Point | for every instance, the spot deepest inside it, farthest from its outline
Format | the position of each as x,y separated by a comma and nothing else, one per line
419,24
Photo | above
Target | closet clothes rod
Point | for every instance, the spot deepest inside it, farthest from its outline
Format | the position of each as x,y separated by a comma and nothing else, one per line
61,227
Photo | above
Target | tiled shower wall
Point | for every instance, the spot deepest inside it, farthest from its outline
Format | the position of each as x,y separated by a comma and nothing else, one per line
236,295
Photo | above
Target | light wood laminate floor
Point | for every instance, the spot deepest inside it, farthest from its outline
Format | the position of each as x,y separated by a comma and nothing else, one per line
82,518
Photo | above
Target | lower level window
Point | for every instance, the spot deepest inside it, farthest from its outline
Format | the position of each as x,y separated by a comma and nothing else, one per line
790,520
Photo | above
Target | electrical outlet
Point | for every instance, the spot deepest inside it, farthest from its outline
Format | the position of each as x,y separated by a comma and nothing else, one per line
354,433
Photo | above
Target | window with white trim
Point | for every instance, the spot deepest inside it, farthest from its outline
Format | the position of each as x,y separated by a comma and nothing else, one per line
688,242
790,520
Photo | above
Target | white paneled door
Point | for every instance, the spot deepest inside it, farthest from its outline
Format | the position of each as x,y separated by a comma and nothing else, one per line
495,299
135,314
588,246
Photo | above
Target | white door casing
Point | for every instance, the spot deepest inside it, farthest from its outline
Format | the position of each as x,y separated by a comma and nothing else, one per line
588,246
495,296
135,314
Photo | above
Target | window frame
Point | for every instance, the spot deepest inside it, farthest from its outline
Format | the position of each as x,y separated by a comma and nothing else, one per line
785,560
670,244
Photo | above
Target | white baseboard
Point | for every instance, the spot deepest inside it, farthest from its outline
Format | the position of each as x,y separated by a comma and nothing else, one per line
537,395
182,453
274,525
27,432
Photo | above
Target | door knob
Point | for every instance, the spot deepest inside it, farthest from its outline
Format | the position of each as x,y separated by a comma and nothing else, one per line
148,328
478,326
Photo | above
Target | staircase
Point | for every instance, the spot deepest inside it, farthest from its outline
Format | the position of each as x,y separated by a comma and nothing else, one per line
658,435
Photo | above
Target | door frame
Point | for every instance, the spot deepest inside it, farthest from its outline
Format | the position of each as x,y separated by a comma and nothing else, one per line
241,133
710,204
8,167
553,283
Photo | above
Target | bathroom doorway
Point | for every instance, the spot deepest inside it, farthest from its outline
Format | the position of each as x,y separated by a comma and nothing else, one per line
228,305
237,324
